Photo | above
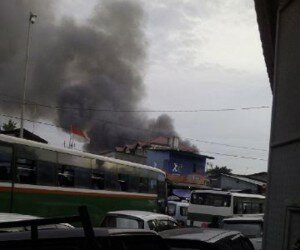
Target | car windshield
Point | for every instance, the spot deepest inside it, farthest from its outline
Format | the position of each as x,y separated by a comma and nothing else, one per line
161,225
250,230
171,209
183,211
122,222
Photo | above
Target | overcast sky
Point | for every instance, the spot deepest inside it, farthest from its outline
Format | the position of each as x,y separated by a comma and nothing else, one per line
202,54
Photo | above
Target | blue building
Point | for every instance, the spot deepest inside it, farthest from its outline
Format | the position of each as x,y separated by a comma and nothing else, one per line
180,166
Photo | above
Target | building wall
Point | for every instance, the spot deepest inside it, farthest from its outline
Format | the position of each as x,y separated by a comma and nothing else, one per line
231,183
179,167
282,229
130,157
182,164
159,159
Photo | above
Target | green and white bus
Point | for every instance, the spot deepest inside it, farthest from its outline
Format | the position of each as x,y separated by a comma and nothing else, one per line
211,206
43,180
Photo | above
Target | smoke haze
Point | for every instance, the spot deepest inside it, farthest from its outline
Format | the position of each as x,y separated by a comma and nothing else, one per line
98,64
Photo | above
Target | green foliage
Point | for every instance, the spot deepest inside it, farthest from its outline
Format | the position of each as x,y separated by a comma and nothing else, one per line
10,125
217,171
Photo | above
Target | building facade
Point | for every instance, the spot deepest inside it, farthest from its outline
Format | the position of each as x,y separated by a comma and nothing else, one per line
181,167
242,183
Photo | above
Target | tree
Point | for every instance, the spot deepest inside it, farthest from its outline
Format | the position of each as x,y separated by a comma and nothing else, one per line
217,171
10,125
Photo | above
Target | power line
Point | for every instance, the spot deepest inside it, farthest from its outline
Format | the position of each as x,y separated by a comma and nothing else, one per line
235,156
209,152
185,138
139,111
151,131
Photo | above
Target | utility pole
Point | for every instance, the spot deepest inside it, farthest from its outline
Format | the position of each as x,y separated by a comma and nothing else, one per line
32,19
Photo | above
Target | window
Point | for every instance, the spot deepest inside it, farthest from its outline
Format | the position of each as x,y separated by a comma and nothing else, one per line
194,168
134,182
208,199
5,163
248,206
161,189
143,187
153,186
98,181
183,211
122,222
161,225
83,177
171,209
123,180
111,180
66,176
47,173
26,171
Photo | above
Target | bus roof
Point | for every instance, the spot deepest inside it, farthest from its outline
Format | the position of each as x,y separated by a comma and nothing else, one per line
230,193
15,140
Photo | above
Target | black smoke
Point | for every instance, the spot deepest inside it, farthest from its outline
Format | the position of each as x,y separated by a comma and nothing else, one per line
89,68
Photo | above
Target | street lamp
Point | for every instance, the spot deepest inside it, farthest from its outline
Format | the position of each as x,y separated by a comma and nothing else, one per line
32,19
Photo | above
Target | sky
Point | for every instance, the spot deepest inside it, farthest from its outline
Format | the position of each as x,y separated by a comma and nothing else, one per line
202,54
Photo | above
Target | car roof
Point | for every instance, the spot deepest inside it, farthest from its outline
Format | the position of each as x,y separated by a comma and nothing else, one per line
209,235
180,203
245,195
73,233
144,215
10,217
258,218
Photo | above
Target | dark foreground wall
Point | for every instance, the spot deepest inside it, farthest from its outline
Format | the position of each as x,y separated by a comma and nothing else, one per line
282,229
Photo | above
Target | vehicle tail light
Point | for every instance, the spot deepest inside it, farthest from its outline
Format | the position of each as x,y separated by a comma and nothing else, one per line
204,224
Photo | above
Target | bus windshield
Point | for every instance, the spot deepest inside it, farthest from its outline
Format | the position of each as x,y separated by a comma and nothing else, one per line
209,199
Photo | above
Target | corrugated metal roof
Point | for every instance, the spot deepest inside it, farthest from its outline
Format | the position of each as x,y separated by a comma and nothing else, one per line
245,179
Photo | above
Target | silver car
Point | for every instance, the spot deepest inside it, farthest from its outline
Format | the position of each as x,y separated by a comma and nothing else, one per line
131,219
250,226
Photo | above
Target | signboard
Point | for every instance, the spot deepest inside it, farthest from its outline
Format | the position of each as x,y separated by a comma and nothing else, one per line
188,179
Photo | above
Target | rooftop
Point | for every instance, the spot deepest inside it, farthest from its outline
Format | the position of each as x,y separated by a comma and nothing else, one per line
201,234
27,135
140,214
246,179
157,143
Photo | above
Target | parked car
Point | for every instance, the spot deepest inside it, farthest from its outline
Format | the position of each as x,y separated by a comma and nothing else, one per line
85,238
13,217
75,239
139,220
250,226
178,210
205,239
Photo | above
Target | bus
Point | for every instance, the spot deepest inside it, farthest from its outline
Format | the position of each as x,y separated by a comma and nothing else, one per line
43,180
211,206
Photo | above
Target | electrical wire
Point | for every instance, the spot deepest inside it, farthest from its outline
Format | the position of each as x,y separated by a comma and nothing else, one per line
137,111
131,139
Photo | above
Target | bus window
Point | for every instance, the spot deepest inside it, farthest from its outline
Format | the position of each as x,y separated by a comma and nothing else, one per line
143,187
123,180
209,199
111,180
153,186
26,171
247,206
66,176
82,177
98,181
47,173
134,182
5,163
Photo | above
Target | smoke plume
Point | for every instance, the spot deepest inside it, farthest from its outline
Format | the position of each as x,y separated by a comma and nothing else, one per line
89,68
